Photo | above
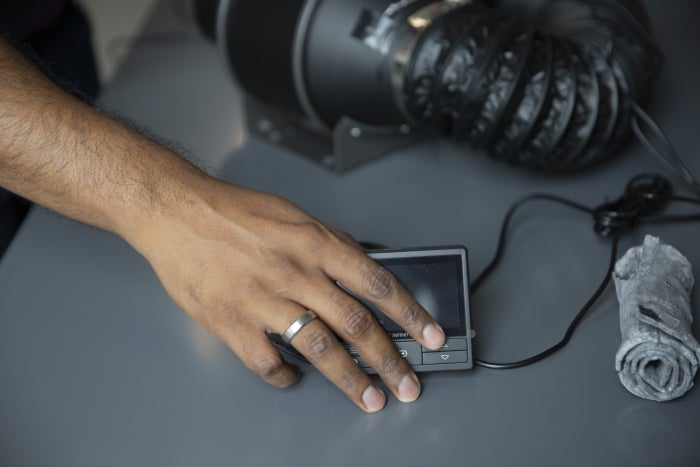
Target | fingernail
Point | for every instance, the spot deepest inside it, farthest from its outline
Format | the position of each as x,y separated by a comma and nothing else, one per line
409,388
374,399
434,336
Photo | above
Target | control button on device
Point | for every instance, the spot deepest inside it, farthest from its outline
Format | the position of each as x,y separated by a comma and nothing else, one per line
434,358
410,350
355,355
454,343
360,362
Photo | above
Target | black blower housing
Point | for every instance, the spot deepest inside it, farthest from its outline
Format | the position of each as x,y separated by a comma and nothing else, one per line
554,92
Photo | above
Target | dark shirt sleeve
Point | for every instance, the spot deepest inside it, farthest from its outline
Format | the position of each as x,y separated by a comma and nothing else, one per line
20,19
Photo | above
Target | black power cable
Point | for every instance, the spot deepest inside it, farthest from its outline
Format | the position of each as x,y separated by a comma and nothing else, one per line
645,197
660,146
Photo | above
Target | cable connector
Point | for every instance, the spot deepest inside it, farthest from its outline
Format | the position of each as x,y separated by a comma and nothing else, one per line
645,194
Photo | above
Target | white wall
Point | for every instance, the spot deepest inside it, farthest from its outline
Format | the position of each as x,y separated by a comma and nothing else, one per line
114,24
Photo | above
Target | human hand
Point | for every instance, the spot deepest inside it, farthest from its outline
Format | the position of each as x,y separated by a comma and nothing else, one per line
245,264
240,262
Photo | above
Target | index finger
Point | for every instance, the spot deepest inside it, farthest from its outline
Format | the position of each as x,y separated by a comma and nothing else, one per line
369,280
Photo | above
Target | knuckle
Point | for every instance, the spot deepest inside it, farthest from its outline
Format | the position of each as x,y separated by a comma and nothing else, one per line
357,322
254,287
379,283
410,314
390,364
347,238
225,317
287,266
352,380
317,343
271,369
316,235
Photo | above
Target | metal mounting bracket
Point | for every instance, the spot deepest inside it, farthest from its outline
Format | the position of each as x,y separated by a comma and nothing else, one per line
349,144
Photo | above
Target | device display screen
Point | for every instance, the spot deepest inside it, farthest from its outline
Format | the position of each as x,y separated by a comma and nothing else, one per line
437,283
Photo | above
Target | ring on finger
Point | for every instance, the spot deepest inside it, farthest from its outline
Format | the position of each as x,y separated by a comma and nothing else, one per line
296,326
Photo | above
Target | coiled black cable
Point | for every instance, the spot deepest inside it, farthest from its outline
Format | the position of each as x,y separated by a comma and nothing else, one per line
644,198
556,96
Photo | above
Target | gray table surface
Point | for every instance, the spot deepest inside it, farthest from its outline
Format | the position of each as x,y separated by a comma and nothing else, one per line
99,367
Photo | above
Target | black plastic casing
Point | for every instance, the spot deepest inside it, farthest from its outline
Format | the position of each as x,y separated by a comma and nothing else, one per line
415,268
342,76
455,318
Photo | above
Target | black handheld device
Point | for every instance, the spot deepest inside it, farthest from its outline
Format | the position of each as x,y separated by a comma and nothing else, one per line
438,278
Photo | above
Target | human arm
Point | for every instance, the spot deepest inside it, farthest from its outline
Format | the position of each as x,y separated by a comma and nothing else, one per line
240,262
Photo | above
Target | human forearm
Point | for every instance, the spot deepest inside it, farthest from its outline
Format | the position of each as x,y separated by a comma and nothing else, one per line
242,263
63,154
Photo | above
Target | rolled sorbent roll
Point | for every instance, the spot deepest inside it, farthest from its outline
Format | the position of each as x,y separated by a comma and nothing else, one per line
659,355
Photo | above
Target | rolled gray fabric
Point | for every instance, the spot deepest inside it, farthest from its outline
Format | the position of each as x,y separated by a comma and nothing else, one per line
659,355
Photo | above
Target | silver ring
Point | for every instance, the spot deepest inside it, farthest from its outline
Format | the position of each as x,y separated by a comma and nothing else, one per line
296,326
